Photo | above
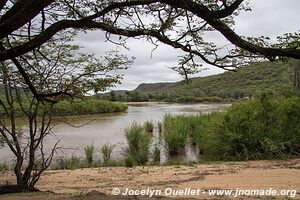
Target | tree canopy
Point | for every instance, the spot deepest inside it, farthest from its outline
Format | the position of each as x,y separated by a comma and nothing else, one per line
25,25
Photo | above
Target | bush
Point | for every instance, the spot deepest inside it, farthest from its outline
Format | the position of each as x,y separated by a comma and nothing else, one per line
91,106
192,99
89,151
67,163
201,129
148,125
138,143
129,161
175,134
264,128
106,151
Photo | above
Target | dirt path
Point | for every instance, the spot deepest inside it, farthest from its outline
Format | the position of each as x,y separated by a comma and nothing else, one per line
94,183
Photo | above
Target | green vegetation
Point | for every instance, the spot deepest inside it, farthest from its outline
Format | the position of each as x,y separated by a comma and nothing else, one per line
129,161
175,134
92,106
106,151
138,143
148,126
89,152
4,167
190,99
228,86
78,107
264,128
73,162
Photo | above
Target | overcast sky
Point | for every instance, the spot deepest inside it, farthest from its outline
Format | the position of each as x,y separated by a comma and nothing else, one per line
268,17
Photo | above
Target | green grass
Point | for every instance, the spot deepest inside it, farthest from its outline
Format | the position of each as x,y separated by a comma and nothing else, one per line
138,143
92,106
191,99
76,107
106,151
89,152
175,134
247,81
4,166
264,128
148,126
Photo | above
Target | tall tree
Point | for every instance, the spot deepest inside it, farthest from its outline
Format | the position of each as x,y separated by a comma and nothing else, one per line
56,70
178,23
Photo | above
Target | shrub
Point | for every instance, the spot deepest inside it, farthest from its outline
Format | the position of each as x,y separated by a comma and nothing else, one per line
89,151
148,125
201,129
192,99
138,143
264,128
129,161
90,106
67,163
175,135
106,151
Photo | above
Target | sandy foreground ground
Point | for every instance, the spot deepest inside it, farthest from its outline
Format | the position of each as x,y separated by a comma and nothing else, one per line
282,177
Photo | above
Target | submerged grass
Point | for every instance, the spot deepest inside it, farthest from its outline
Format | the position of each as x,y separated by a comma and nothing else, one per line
264,128
106,151
89,152
175,134
138,143
148,126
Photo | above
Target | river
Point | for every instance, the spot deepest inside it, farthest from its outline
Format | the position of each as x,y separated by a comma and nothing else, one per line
80,131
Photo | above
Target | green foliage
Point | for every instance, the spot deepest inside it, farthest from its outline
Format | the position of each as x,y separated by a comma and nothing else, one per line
77,107
89,152
262,128
138,143
106,151
67,163
148,125
190,99
175,134
92,106
201,129
4,166
246,82
129,161
73,162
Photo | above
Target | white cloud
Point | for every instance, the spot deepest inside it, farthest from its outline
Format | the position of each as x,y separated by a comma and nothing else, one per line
268,17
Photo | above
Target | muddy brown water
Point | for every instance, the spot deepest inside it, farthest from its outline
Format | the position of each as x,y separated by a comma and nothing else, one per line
83,130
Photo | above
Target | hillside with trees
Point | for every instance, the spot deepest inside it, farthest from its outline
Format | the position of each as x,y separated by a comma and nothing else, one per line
245,82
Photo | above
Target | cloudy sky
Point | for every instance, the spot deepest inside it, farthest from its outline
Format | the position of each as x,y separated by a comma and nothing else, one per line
268,18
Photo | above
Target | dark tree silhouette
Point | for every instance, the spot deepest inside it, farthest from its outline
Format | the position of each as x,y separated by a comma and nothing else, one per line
25,25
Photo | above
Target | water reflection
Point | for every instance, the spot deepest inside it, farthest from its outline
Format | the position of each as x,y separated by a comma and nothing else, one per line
104,128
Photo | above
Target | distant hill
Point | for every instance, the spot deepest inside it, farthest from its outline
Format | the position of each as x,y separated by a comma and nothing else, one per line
247,81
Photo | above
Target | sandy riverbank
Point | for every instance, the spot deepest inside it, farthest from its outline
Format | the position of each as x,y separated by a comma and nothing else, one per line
95,183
